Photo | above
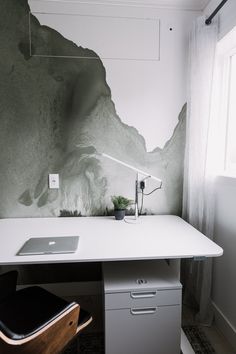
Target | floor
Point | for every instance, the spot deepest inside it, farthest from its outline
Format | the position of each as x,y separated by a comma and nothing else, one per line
215,337
218,341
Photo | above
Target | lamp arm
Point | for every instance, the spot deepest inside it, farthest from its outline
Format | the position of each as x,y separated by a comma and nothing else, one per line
148,175
136,196
138,171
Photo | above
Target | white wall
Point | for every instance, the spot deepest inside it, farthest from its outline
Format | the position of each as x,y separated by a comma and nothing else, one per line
224,273
148,94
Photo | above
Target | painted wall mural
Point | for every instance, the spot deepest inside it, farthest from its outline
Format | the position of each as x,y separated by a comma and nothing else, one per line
56,116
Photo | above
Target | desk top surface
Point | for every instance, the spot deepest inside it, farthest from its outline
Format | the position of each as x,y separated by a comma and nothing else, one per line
105,239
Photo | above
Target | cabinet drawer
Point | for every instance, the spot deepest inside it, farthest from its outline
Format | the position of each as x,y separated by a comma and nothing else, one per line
143,331
142,298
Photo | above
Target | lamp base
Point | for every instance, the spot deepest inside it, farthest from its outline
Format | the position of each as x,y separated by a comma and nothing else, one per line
132,220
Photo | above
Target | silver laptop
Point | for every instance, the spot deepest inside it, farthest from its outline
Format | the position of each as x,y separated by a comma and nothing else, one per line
49,245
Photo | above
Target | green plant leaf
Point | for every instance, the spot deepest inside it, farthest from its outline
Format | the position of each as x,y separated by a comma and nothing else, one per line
120,202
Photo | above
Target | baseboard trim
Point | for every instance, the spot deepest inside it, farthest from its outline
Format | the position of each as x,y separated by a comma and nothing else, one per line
186,347
224,325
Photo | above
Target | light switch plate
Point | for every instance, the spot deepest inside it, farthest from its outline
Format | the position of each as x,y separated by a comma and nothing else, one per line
53,181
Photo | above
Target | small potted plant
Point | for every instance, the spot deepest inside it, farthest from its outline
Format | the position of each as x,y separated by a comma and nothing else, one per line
120,205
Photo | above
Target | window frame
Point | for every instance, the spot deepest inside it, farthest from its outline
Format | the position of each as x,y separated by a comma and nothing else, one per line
226,49
229,166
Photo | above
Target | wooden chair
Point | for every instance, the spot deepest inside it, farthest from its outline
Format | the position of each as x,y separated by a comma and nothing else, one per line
34,321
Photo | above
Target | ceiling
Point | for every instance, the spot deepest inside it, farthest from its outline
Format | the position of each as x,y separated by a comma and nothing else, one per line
182,4
174,4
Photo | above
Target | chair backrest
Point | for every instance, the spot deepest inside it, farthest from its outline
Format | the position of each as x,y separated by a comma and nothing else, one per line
8,284
52,333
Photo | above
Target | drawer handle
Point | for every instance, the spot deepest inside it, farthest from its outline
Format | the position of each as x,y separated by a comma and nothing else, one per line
142,295
143,311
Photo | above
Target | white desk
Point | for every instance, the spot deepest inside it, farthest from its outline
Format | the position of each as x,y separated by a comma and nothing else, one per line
105,239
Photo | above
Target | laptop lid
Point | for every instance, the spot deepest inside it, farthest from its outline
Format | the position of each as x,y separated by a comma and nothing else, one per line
49,245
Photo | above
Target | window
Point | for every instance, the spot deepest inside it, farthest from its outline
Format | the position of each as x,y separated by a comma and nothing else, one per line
230,148
226,53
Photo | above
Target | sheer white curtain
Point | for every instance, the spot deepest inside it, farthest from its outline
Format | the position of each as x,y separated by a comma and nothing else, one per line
200,161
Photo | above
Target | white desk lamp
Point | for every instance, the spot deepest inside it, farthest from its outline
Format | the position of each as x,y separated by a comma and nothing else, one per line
138,171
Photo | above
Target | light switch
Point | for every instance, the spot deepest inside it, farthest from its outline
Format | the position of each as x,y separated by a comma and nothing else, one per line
53,179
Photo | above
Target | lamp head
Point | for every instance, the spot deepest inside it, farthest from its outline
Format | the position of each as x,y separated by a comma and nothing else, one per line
148,175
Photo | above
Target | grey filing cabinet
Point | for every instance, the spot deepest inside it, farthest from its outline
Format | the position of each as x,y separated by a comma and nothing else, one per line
142,301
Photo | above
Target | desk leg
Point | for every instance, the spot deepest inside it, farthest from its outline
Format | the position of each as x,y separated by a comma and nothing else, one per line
186,347
174,264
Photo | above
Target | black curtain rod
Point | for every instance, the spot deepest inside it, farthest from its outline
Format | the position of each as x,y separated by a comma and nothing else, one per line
208,20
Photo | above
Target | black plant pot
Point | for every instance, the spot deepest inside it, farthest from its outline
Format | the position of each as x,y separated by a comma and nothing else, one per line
119,214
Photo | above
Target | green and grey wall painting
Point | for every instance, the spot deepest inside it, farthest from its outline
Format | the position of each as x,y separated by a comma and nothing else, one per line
56,114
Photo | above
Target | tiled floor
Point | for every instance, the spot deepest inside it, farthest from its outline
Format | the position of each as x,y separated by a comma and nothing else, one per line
215,337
